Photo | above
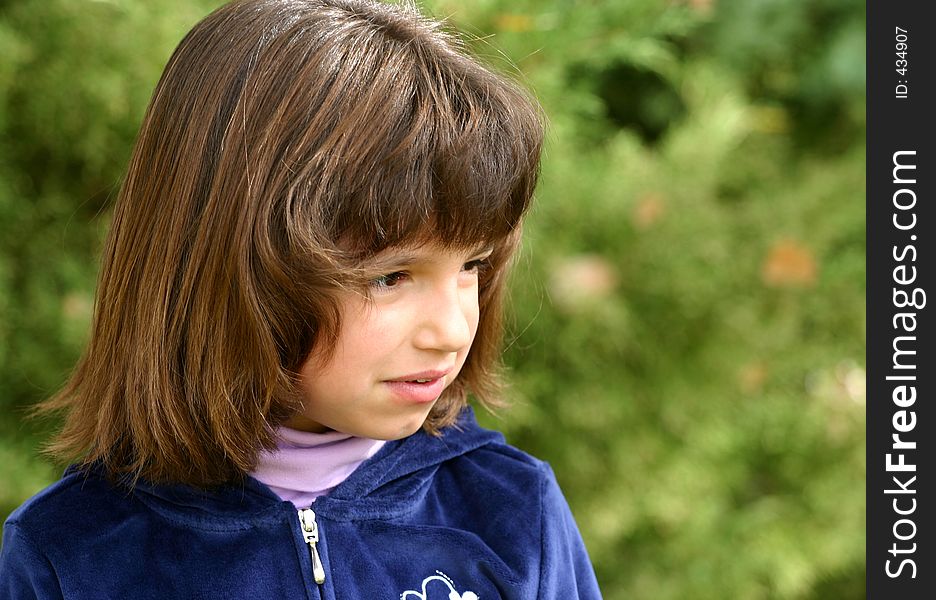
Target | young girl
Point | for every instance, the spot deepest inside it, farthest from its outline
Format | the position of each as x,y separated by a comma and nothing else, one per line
302,284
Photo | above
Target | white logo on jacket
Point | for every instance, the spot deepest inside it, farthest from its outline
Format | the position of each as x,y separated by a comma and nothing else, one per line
449,586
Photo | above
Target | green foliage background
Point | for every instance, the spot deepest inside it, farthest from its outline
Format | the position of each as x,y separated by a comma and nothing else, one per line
688,313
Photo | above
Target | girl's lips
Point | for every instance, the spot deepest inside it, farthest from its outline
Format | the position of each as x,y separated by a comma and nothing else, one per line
434,374
417,393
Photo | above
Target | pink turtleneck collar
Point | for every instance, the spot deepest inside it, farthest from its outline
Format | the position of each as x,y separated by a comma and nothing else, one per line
307,465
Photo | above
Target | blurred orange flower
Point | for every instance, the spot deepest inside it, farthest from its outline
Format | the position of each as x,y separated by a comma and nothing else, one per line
648,210
789,264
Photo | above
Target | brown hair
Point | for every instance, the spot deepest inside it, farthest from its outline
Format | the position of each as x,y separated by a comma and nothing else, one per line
286,141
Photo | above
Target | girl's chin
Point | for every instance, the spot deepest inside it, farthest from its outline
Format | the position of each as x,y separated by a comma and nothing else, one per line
400,430
387,428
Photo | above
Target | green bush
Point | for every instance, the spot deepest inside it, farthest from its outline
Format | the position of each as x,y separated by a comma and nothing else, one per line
687,337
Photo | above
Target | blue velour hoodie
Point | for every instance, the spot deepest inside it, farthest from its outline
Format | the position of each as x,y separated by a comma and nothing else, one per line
463,516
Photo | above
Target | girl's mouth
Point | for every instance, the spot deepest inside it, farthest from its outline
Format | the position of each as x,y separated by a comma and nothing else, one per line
423,377
418,390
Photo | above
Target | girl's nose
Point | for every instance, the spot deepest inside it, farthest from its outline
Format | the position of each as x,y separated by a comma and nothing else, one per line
448,319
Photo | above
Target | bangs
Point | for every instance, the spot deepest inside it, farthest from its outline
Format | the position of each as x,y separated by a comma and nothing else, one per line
430,147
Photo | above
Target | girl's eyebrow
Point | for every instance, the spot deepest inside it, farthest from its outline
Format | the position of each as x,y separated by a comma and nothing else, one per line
392,260
405,257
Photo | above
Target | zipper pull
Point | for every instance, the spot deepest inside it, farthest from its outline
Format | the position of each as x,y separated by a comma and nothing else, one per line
310,533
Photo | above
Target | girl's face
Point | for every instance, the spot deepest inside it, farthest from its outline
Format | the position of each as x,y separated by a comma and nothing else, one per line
398,349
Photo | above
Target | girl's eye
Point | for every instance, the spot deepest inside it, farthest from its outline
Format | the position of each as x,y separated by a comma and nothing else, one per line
478,266
388,281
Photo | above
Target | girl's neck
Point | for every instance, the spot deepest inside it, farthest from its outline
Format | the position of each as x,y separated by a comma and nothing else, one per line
306,465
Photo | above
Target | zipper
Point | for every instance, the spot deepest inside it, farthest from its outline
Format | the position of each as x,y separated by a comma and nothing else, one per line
311,534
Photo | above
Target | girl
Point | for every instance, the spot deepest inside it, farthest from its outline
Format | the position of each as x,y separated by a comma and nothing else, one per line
302,283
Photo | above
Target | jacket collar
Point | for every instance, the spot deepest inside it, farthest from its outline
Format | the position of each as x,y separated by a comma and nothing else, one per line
385,485
399,474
